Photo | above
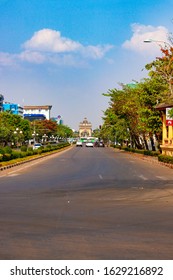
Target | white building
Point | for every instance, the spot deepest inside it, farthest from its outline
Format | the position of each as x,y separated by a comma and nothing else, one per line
37,111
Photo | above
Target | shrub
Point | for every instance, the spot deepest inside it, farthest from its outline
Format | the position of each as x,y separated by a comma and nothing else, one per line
37,151
49,147
151,153
7,153
1,157
29,152
166,159
143,152
6,157
23,148
16,154
8,150
23,154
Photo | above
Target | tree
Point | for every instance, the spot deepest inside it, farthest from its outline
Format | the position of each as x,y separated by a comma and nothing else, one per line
43,127
132,115
64,131
9,123
162,69
123,113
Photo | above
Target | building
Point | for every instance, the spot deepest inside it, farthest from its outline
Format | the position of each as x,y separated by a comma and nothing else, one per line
57,119
13,108
1,102
37,112
85,128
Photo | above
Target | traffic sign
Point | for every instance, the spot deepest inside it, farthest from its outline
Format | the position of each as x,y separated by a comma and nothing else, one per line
169,122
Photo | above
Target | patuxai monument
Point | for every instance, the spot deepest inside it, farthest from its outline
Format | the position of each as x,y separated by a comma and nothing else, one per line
85,128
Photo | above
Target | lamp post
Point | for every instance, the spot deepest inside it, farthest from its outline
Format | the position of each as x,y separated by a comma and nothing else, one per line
159,42
17,134
34,134
44,137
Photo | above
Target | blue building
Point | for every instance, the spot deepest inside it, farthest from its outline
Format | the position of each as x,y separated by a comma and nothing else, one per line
15,109
33,117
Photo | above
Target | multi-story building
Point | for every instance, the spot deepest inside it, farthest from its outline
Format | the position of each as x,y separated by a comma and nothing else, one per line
15,109
57,119
37,112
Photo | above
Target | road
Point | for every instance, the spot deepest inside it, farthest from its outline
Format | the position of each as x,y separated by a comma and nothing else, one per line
87,203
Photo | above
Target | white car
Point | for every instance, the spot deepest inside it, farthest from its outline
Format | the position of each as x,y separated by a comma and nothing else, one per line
79,143
36,146
89,144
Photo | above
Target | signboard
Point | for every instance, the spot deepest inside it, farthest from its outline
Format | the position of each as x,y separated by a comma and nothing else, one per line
169,120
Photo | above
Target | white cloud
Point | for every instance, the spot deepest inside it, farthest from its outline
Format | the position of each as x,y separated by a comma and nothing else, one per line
48,40
95,52
146,32
7,59
51,42
32,57
48,46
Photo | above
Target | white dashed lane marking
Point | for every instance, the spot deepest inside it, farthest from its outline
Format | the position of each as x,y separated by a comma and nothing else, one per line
143,177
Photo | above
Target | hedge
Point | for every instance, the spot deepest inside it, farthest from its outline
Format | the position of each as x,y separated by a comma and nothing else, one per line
143,152
7,154
165,159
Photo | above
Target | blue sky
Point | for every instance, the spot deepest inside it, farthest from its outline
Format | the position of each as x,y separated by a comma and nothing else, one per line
66,53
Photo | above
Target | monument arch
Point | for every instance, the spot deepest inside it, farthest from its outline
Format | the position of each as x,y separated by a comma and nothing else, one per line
85,128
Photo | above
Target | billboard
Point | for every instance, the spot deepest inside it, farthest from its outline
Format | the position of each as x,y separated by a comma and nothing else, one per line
169,120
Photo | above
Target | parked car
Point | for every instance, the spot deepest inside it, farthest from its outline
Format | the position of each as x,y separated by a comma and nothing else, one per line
36,146
79,143
101,144
89,144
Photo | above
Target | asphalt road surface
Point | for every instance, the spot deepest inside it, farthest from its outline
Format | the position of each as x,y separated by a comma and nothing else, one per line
87,204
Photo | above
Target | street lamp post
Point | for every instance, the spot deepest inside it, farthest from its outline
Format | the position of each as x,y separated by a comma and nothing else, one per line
44,137
35,135
159,42
17,133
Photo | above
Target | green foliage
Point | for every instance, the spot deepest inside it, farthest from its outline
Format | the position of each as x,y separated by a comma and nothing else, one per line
151,153
23,148
165,159
7,154
171,113
8,125
8,149
64,131
132,114
2,150
15,154
162,68
30,149
6,157
142,152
